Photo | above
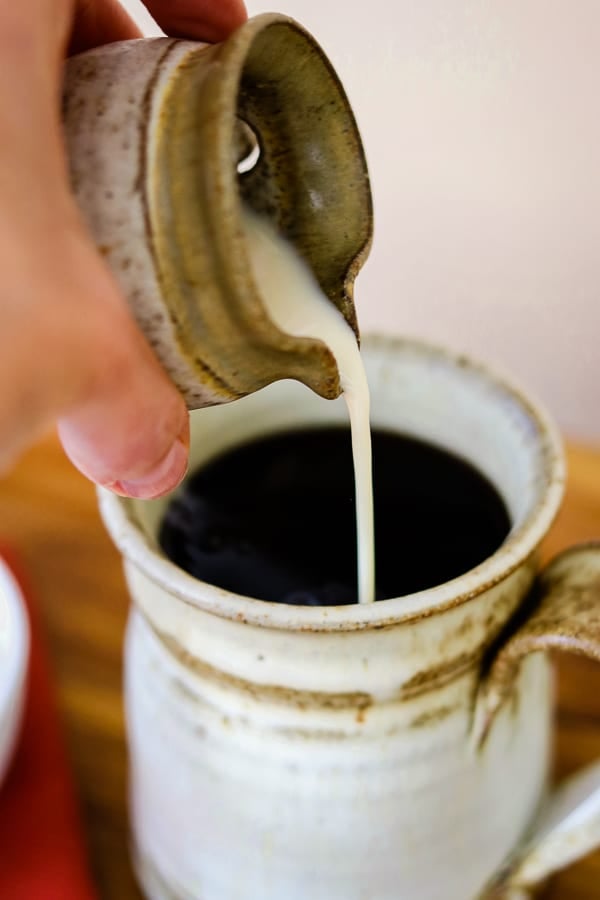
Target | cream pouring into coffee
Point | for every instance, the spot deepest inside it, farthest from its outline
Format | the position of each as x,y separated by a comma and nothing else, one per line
298,306
274,519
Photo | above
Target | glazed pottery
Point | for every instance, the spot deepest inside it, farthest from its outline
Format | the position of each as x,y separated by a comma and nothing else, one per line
392,751
155,130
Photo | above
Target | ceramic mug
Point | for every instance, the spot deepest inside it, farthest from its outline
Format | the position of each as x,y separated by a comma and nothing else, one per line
393,751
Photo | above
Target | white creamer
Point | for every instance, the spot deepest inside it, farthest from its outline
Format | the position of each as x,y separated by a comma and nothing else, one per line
297,305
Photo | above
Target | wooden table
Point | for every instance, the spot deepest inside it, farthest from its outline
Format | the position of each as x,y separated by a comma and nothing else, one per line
47,510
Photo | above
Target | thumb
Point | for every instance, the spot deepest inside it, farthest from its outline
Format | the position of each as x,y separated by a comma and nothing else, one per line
129,430
131,437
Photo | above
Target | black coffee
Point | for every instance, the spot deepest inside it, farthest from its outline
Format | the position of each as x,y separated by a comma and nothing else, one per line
274,519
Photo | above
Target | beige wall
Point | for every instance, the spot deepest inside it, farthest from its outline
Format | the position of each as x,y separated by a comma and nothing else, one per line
481,120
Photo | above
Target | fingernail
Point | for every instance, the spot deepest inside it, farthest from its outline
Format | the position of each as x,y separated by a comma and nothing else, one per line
162,479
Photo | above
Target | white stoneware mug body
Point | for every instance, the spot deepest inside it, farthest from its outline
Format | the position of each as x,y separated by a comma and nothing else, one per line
393,751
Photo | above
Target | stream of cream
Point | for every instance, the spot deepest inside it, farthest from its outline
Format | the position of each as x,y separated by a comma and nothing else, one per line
298,306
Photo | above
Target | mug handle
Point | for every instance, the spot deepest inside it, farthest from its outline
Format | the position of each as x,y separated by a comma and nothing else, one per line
565,616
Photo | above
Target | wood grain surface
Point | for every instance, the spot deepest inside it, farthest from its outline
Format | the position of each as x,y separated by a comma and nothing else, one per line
48,512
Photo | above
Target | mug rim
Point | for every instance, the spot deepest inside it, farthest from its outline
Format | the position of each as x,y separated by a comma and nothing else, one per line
138,549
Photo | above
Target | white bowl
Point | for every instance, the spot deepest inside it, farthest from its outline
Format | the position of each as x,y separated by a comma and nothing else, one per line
14,655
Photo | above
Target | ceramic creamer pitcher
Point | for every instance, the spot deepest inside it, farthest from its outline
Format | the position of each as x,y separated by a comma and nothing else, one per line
390,751
157,133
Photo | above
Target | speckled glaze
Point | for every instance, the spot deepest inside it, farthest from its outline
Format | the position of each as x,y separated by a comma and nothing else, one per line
393,751
154,130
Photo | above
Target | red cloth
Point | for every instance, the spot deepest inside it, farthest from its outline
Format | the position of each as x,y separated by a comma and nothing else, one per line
42,854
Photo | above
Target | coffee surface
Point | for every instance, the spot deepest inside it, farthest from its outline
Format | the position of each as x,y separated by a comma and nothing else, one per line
275,520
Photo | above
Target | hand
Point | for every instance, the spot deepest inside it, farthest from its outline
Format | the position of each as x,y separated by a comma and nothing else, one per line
69,348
